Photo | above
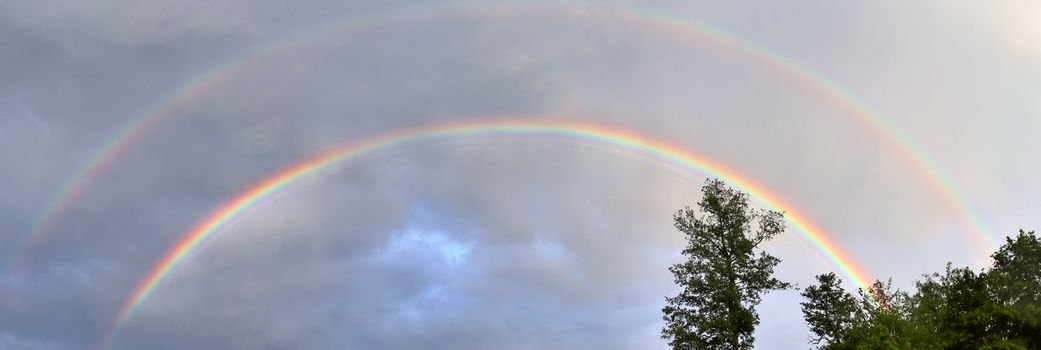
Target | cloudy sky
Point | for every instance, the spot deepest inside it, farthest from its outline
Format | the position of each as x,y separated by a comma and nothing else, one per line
485,242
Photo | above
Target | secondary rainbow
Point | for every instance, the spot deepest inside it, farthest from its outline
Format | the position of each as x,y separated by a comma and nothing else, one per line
603,136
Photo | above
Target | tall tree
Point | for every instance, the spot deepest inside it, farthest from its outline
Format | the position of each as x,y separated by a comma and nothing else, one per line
725,274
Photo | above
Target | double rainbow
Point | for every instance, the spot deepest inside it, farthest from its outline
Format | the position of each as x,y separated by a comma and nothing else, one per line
664,24
135,129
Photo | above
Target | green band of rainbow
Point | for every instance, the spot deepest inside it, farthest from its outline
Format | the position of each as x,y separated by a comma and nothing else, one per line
642,146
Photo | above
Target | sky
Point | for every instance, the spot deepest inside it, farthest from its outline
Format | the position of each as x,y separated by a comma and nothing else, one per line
903,133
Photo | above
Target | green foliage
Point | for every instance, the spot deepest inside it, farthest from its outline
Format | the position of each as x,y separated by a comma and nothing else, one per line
1016,289
829,310
960,309
725,274
954,308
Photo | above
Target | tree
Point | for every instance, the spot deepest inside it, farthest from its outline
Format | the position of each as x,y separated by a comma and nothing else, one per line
830,311
999,308
885,324
877,320
725,274
953,310
1015,281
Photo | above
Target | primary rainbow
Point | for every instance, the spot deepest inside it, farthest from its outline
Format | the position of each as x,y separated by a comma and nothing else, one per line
602,136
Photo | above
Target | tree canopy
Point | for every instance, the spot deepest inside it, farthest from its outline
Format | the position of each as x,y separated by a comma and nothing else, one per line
725,274
997,308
